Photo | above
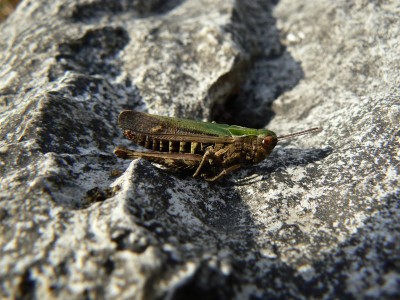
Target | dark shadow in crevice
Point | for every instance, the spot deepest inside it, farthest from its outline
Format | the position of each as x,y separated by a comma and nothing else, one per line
95,10
269,70
250,105
207,284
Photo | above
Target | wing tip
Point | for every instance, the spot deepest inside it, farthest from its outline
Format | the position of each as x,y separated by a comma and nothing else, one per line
126,117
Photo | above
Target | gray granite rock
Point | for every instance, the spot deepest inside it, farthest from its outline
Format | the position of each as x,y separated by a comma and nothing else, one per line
318,219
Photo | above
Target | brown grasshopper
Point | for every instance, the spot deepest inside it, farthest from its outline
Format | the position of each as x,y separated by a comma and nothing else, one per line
212,150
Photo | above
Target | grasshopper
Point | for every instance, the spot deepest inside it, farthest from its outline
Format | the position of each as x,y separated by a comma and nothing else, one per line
212,150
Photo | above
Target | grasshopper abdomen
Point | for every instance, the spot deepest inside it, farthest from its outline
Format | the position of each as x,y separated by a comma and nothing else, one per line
166,145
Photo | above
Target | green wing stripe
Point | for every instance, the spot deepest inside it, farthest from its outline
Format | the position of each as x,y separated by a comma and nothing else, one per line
158,125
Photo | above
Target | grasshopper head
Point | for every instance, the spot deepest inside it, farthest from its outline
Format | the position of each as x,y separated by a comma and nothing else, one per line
267,140
268,143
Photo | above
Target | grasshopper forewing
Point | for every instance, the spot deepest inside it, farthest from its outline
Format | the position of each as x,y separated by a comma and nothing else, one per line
212,150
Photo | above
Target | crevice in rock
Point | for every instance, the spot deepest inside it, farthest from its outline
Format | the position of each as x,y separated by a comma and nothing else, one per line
206,283
27,286
93,11
259,78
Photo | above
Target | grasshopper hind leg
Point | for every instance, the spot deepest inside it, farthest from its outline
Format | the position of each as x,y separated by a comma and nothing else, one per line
174,160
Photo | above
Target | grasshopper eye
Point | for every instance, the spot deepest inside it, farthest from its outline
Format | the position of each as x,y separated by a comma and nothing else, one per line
268,143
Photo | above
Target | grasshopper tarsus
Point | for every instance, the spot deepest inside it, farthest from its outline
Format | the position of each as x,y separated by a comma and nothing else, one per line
223,173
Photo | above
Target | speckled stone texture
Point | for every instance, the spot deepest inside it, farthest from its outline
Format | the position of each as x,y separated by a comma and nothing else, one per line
318,219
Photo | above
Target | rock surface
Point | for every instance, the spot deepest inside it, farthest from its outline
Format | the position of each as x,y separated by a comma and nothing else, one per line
318,219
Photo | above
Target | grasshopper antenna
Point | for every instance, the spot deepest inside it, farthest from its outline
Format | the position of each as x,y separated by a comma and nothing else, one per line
292,135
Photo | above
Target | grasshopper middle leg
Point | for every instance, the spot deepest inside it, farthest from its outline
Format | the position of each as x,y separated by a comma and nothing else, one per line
223,173
211,156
